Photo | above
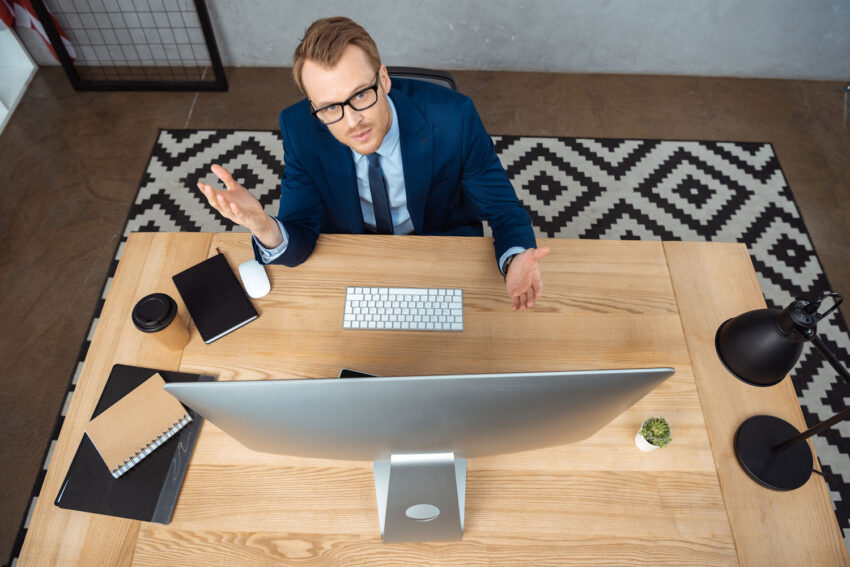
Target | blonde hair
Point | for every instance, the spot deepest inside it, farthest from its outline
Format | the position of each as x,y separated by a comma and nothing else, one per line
326,39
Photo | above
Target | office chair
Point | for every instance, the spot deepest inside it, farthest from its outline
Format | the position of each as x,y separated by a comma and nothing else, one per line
442,78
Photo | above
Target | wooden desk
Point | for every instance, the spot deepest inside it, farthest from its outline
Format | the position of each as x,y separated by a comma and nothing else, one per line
607,304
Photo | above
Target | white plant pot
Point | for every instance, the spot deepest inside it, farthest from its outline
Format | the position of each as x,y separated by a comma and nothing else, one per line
643,444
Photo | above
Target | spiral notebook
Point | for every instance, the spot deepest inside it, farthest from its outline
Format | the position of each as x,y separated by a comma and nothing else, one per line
134,426
148,492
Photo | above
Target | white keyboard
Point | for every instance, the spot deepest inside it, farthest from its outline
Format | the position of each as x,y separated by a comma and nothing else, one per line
403,308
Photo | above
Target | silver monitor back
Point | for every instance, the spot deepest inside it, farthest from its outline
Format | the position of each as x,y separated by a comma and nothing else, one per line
471,415
419,430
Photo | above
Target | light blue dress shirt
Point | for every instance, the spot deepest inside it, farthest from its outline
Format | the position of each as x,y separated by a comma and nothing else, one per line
391,167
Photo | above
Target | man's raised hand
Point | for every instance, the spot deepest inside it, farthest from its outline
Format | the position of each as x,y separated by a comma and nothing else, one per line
238,205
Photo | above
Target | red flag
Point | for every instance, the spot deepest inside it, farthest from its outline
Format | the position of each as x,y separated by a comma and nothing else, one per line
7,18
20,13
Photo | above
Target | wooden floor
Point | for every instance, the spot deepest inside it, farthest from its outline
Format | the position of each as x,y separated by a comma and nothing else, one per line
70,164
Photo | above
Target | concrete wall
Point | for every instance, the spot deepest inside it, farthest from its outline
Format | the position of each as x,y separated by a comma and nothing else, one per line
808,39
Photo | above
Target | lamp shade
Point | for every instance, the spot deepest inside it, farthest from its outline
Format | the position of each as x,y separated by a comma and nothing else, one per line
753,347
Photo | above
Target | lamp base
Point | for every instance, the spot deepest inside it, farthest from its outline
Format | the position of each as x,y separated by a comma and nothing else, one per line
779,470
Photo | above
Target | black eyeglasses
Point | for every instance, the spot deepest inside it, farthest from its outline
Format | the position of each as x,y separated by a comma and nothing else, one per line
361,100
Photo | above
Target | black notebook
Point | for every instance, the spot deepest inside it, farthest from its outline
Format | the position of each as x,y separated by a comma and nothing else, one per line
214,297
149,490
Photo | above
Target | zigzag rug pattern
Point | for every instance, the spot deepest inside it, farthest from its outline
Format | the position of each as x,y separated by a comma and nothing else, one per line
573,188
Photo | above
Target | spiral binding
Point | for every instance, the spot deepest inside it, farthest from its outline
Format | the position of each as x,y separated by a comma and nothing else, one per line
149,447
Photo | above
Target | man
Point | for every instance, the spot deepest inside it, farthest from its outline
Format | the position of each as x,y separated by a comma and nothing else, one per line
364,154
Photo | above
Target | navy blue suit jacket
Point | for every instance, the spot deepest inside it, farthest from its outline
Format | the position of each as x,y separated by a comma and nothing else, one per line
453,178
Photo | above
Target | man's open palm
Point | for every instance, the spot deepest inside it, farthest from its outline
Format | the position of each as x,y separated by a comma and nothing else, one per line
236,203
523,280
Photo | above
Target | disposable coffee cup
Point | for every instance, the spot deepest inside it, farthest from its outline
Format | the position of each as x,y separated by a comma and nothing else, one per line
157,314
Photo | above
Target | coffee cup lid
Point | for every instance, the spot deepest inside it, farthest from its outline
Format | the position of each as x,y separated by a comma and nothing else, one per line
154,312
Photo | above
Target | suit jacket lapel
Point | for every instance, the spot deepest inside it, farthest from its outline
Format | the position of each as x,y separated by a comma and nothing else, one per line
338,167
417,148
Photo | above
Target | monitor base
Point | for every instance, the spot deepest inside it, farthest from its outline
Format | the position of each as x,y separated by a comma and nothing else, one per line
421,497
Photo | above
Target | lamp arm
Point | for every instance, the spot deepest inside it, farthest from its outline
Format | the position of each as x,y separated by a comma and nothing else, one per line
840,416
830,358
814,430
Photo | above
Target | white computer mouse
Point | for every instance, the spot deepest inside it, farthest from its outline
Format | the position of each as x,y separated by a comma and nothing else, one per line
254,279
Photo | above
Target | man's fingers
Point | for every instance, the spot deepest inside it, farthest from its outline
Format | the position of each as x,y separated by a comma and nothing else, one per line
540,252
519,302
532,296
515,299
209,193
537,286
529,289
224,175
225,207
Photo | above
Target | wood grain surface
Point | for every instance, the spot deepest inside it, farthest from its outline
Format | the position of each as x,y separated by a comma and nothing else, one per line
712,284
606,304
65,537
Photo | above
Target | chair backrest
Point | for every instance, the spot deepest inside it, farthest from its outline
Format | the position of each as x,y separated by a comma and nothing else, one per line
442,78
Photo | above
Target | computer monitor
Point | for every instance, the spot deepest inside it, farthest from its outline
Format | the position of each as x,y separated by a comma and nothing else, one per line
418,431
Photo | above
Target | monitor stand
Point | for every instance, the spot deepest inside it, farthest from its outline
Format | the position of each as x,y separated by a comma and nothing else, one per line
421,497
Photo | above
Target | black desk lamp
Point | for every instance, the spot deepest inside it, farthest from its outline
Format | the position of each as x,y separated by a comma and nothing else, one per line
760,347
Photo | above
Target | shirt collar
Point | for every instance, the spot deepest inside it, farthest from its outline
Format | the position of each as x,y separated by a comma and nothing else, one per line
390,140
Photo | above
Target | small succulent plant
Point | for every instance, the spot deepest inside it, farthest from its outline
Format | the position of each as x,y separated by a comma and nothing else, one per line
656,431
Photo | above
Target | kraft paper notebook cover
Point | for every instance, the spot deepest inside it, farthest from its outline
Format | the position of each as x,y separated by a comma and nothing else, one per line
214,297
136,425
149,490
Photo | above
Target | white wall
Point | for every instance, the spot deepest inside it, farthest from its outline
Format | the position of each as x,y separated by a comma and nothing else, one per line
807,39
16,72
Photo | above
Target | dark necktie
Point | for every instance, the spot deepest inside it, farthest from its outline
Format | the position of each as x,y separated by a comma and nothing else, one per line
380,199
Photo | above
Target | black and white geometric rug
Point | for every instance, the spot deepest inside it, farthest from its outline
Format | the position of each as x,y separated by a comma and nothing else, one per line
573,188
